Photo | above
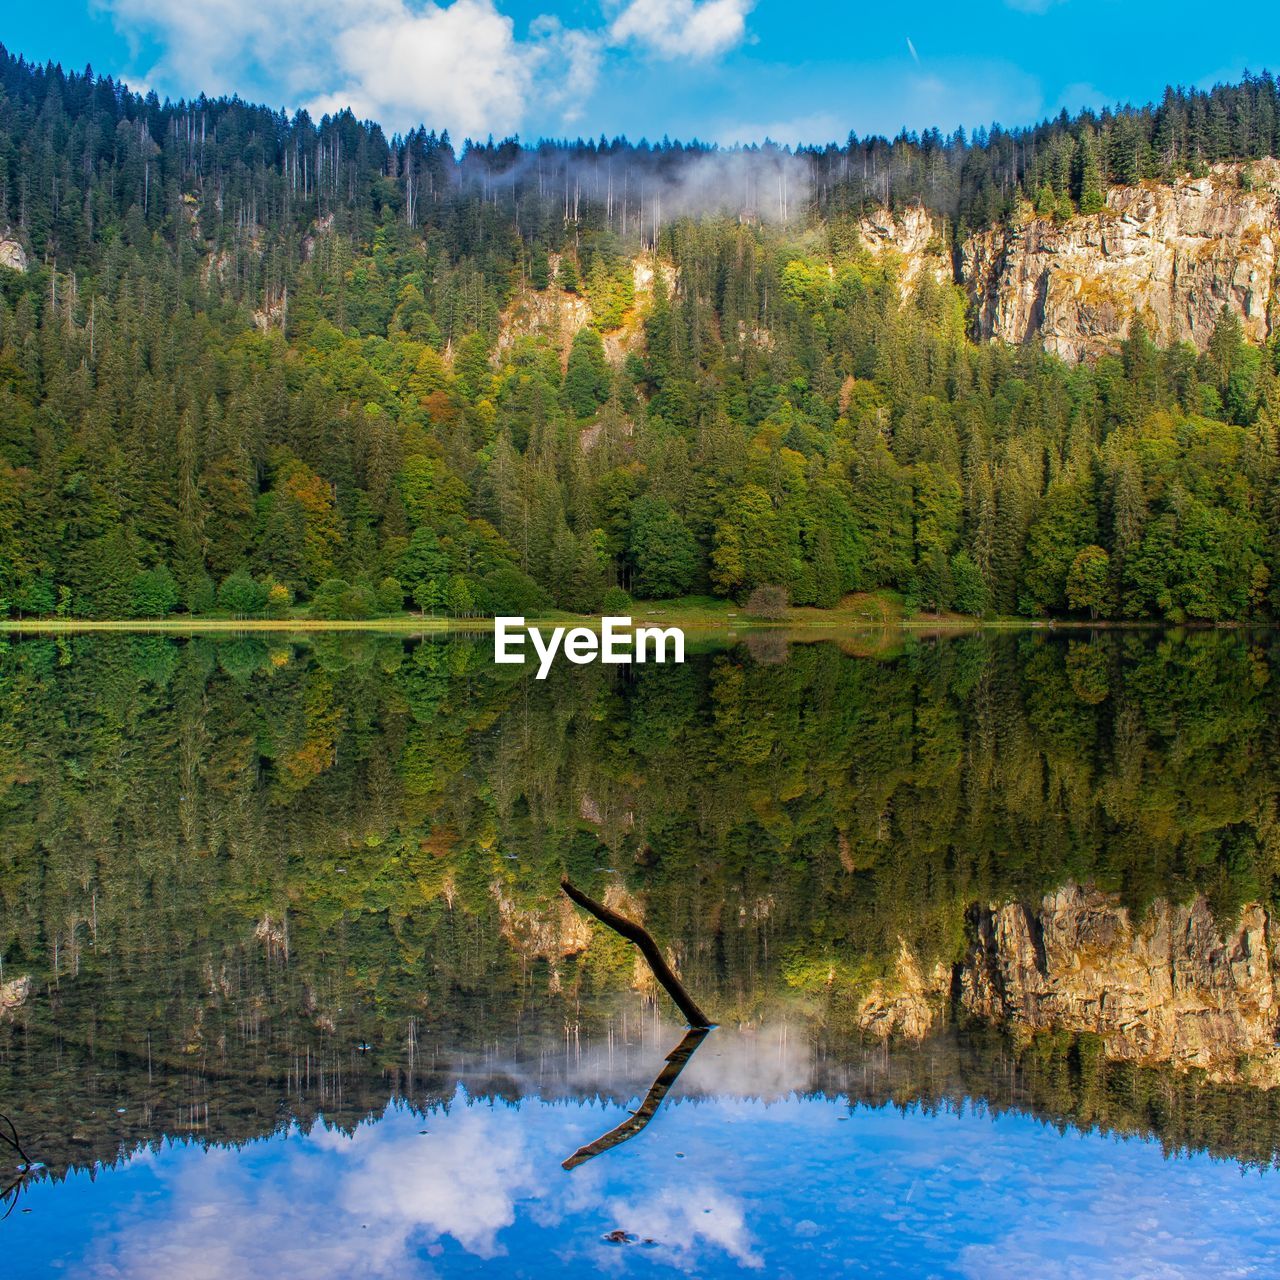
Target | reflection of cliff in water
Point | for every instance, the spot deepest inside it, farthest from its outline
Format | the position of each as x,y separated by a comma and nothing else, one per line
1070,1011
1169,985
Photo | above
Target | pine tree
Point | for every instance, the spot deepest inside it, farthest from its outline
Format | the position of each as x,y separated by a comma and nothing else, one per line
1087,186
587,378
826,571
539,268
662,551
567,274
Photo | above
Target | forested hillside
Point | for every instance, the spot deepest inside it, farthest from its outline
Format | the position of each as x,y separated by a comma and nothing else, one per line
250,362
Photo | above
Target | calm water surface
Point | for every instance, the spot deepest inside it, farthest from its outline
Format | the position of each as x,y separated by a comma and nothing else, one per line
289,986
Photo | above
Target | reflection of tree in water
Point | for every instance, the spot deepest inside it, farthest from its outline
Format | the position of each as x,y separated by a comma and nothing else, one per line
224,867
1061,1079
767,647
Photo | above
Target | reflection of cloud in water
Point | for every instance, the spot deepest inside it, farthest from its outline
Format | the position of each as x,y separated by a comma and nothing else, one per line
385,1200
788,1185
462,1180
771,1061
680,1221
386,1192
1085,1216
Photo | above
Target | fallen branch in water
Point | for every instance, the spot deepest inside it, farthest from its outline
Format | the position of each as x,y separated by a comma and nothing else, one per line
26,1168
648,948
11,1139
676,1061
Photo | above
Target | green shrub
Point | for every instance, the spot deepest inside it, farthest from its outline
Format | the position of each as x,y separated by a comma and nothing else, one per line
242,596
616,601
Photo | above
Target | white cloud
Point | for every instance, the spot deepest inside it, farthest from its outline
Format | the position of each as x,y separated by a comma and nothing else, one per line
459,65
571,69
682,28
212,47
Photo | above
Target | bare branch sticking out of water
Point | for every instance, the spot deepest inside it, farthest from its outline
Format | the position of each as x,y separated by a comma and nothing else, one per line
11,1139
26,1167
648,948
676,1062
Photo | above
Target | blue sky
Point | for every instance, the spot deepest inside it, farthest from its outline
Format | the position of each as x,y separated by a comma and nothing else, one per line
723,70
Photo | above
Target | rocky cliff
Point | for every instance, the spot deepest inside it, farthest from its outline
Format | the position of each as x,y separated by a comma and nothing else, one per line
1174,254
915,237
13,995
550,313
557,315
12,254
909,1005
1173,988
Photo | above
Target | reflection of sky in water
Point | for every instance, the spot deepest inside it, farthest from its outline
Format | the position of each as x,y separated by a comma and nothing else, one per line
790,1188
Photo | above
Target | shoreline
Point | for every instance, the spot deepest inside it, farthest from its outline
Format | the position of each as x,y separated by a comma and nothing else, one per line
815,622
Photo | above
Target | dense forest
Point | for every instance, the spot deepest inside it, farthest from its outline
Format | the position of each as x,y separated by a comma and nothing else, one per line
258,363
228,862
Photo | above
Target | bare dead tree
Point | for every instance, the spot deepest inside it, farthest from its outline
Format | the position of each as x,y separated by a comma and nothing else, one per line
638,934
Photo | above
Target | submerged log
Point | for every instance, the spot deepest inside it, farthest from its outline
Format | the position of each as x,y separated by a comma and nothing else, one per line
638,934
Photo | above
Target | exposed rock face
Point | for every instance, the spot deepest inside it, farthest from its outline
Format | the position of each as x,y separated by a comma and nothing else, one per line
1173,254
12,254
320,228
550,313
915,237
643,270
909,1005
552,933
13,995
273,315
557,315
274,936
1168,989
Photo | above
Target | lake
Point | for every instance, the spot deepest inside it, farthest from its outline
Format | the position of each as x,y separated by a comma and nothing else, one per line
289,983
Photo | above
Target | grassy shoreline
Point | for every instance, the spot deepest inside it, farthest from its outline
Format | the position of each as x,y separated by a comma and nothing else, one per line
862,612
408,623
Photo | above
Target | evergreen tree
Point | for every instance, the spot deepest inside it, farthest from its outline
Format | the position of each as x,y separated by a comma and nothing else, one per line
222,365
662,550
587,378
539,269
567,274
